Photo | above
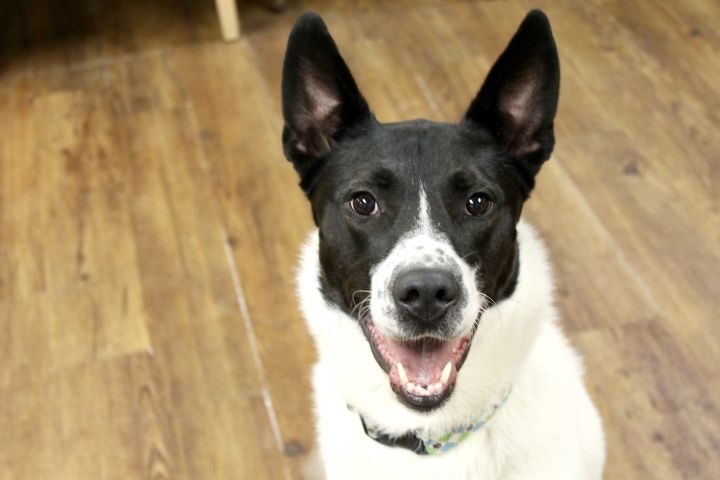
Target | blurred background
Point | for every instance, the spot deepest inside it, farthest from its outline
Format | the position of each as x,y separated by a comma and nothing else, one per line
149,223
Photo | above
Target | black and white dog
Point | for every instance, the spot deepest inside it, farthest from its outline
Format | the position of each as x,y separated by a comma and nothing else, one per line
429,299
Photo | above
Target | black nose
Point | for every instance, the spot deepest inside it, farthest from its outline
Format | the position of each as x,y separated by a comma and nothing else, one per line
425,294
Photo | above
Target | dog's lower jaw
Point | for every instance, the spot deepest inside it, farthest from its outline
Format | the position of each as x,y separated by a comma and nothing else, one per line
517,342
429,387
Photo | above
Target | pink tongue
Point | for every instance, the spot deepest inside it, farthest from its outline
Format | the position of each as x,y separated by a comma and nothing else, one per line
423,360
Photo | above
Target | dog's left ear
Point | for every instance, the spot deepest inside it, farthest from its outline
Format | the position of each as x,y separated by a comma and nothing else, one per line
320,99
518,101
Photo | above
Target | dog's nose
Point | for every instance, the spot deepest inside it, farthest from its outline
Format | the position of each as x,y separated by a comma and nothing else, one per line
425,294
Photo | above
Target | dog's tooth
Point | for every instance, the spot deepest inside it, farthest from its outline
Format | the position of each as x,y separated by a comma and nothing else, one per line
438,387
410,387
445,375
402,373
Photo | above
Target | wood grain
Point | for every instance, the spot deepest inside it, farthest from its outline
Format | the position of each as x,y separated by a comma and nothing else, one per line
149,224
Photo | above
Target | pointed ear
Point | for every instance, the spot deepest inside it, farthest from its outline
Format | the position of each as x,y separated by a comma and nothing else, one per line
518,100
320,99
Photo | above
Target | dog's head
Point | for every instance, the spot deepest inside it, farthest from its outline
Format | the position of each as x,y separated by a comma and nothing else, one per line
417,220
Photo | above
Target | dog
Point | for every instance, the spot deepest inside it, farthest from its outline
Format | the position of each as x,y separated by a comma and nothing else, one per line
429,299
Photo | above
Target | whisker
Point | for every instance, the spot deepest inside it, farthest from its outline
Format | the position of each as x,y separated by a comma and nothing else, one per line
365,315
359,306
367,292
491,303
468,254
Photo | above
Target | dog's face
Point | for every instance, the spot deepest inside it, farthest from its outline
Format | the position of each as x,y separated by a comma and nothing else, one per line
417,219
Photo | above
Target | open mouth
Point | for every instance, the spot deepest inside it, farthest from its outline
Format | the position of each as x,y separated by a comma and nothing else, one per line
422,371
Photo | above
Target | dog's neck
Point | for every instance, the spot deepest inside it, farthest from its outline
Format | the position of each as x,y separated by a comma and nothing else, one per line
421,444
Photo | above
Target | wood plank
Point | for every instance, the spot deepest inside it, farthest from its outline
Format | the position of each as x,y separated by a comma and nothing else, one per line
663,212
79,423
64,224
654,400
181,284
42,36
266,218
195,320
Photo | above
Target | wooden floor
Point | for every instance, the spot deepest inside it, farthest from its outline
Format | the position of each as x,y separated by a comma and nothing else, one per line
149,224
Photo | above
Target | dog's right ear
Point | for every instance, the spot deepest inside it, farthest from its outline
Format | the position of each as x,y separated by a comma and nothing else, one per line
320,99
518,101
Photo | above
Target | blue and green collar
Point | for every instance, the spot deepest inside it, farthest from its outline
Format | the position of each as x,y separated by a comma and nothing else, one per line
423,445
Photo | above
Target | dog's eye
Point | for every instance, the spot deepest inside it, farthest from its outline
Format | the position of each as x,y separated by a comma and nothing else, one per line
364,204
478,204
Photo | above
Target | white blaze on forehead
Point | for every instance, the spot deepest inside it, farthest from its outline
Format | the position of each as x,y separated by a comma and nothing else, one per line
424,245
424,223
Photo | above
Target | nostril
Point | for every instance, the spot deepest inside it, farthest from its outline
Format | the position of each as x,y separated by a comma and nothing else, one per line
446,293
410,296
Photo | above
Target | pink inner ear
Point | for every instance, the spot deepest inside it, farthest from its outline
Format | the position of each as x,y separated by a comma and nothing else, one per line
521,114
517,103
318,119
322,101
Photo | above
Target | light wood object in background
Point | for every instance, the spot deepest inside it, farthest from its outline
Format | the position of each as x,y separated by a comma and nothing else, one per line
229,21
